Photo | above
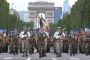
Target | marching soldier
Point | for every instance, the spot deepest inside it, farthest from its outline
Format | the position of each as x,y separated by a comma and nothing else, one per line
1,42
5,45
82,36
87,44
25,36
15,43
47,39
31,44
9,44
59,36
65,45
73,46
42,44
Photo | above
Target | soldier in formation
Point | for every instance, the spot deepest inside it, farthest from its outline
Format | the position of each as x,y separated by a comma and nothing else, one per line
43,41
87,44
42,44
1,42
59,36
81,38
25,36
31,44
15,44
73,46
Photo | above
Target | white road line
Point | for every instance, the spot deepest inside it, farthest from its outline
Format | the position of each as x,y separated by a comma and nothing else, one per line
54,59
7,58
74,59
28,59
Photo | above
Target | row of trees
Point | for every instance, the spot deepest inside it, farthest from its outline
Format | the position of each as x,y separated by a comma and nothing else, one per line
78,17
4,11
10,21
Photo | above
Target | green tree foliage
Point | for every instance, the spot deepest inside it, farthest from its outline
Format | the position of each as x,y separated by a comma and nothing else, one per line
9,21
78,17
4,11
53,27
31,25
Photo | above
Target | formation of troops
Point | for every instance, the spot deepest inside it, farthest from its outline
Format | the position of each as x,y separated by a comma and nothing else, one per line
27,42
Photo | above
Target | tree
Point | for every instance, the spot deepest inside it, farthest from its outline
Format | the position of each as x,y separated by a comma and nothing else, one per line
78,17
53,27
4,12
31,25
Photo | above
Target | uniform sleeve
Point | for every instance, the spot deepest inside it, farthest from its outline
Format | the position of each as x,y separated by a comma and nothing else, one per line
63,34
56,35
21,35
28,34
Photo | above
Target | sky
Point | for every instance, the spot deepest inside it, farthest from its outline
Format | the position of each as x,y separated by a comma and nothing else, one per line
21,5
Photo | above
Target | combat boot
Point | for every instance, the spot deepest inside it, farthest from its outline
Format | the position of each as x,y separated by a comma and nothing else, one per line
40,55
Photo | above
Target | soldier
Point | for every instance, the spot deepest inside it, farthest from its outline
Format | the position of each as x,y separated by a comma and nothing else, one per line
47,39
5,45
31,44
59,36
15,43
82,36
9,44
25,36
48,45
87,44
1,42
42,44
65,45
73,46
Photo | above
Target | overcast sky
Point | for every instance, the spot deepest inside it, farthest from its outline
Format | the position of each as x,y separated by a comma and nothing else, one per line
21,5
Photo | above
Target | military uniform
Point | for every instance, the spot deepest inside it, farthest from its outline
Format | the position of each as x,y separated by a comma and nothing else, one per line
82,36
87,46
73,46
31,45
10,47
65,45
25,37
82,46
15,44
1,44
48,45
41,45
58,43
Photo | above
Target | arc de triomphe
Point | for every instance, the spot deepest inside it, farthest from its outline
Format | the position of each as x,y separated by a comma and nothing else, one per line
35,8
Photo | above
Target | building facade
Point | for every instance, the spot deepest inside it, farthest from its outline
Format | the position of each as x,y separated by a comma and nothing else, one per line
35,8
66,8
23,16
57,14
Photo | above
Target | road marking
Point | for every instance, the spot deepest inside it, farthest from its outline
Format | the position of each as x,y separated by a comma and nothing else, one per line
28,59
74,58
53,58
35,50
7,58
4,53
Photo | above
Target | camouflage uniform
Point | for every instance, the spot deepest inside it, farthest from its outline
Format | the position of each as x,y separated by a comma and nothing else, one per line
65,45
31,45
82,45
87,46
1,44
48,45
15,44
73,46
41,45
10,47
